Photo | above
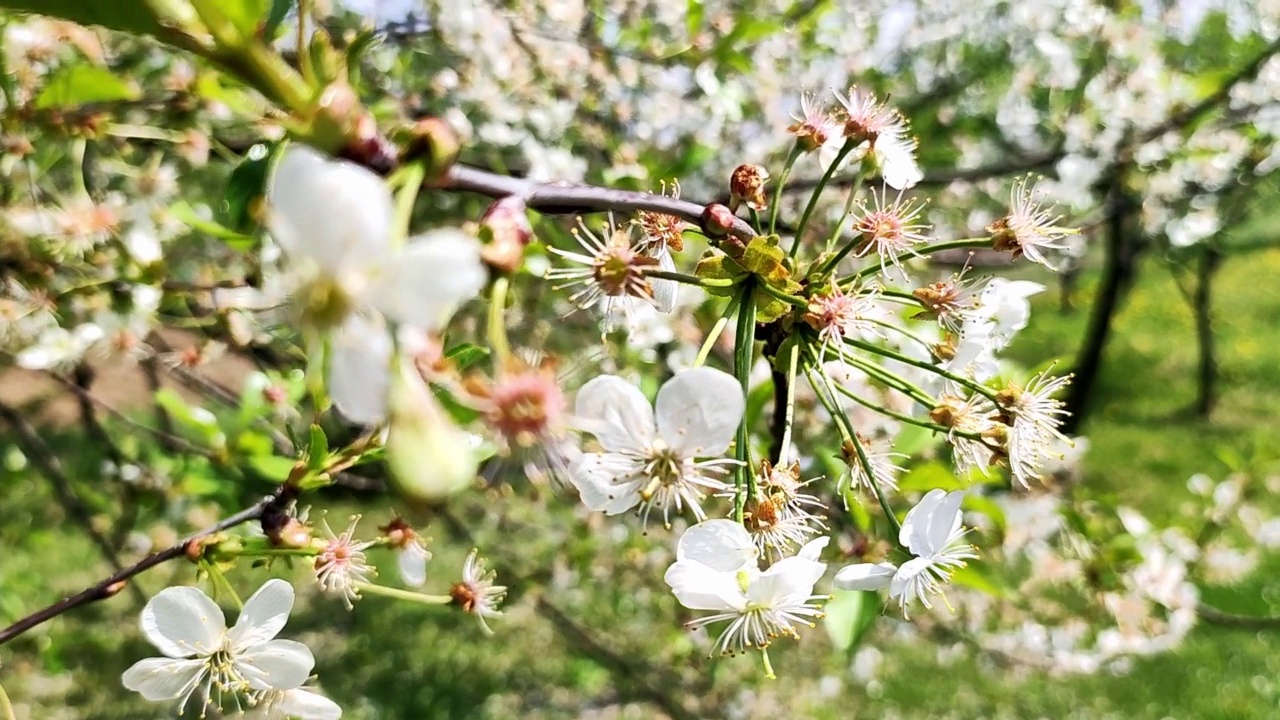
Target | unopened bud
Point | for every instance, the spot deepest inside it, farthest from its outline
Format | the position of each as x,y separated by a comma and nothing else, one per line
718,221
429,457
506,230
293,534
433,142
747,185
337,112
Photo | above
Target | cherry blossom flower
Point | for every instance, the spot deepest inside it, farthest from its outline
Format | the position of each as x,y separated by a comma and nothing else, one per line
879,471
613,273
1030,229
477,593
716,570
815,125
341,566
840,314
525,407
300,703
1033,416
200,653
411,551
933,534
57,348
885,134
781,516
334,221
888,228
649,456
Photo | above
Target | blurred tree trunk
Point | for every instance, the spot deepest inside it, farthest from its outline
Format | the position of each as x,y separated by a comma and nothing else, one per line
1119,269
1202,308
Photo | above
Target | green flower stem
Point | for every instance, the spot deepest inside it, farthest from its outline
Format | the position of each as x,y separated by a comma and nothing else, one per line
845,149
410,177
743,351
496,326
981,242
220,582
280,552
390,592
250,60
689,279
848,433
782,182
705,350
755,220
848,209
893,381
900,295
784,297
834,262
901,331
885,352
900,416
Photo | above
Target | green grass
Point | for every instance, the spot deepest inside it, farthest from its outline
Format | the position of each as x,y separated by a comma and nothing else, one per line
391,660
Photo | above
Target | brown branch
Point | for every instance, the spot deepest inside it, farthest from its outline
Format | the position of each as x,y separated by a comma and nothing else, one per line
109,587
566,199
1214,616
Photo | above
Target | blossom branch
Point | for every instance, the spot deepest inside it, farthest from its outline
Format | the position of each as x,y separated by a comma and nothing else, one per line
111,586
563,198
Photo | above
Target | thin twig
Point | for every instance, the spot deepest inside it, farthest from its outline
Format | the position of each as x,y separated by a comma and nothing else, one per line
1214,616
114,584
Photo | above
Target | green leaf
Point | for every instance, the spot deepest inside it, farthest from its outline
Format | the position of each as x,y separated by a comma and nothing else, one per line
133,16
279,10
185,214
849,614
192,420
272,467
466,355
247,184
929,476
769,308
247,15
318,449
764,257
76,85
715,265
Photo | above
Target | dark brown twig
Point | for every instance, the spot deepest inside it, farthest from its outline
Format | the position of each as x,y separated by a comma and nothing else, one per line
112,585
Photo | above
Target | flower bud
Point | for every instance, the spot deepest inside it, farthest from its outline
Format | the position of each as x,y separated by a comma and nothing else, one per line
337,112
718,221
747,185
506,230
429,457
433,141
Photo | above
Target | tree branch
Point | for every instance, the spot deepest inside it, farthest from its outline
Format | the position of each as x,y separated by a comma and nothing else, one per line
565,198
109,587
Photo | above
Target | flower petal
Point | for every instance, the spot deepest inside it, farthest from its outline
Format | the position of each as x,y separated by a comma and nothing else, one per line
812,550
865,576
665,291
616,412
914,534
183,621
359,369
697,587
426,283
412,563
698,411
264,615
160,679
603,485
332,212
722,545
789,581
276,665
305,704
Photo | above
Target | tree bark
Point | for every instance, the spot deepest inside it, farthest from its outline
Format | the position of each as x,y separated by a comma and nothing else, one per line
1202,308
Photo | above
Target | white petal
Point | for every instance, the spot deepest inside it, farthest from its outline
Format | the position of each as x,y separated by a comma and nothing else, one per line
698,411
897,160
813,549
944,523
699,588
305,704
332,212
722,545
412,563
865,576
914,534
665,291
264,615
425,284
183,621
276,665
359,369
160,679
596,477
616,412
787,582
903,579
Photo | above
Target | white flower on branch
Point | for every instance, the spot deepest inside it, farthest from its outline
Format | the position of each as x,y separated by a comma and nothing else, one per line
649,456
1029,229
200,653
716,570
335,220
478,593
933,534
888,228
1033,416
342,567
885,136
613,273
